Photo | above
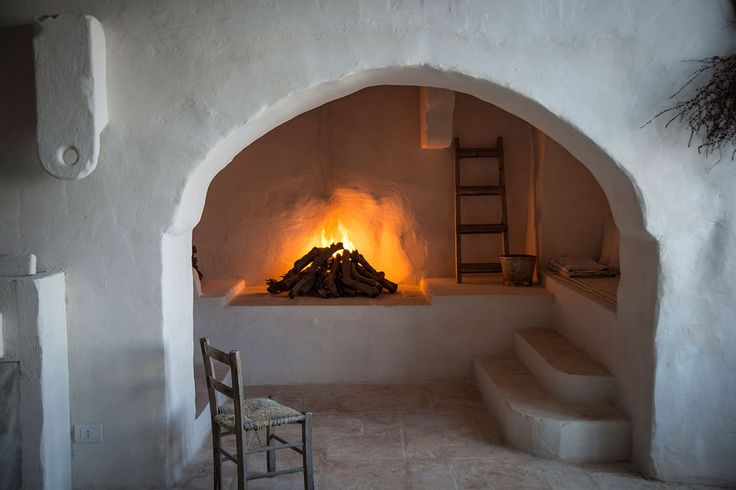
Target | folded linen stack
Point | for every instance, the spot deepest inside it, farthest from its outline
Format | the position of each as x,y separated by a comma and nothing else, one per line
578,267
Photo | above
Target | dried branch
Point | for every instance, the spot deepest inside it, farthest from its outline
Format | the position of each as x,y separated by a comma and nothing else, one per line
712,109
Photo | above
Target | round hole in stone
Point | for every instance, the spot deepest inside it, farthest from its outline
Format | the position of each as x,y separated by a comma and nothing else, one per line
69,155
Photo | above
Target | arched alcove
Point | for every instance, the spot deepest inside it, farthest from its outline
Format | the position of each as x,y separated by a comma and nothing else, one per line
639,256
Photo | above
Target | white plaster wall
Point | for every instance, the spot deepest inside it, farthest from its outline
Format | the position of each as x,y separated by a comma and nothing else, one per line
176,276
479,124
363,344
571,207
192,83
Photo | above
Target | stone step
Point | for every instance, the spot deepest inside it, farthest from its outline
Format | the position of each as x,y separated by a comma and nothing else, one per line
533,421
566,372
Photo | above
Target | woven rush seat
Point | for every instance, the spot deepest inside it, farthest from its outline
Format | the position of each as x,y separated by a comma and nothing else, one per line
258,413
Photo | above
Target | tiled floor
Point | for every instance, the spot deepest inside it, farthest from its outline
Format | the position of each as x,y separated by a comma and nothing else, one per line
418,436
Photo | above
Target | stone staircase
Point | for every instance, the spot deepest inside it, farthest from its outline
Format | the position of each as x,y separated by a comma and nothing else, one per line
552,401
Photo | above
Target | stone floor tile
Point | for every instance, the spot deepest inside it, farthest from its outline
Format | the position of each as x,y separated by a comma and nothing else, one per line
379,423
258,391
293,400
318,402
430,475
428,435
442,436
365,448
449,394
203,482
381,397
286,482
366,475
616,481
495,474
305,388
330,425
456,421
570,479
444,446
481,450
623,467
629,478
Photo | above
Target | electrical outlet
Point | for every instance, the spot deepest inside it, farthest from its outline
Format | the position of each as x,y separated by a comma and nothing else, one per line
88,433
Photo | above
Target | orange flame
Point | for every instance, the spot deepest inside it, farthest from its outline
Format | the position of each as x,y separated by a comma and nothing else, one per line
340,236
379,229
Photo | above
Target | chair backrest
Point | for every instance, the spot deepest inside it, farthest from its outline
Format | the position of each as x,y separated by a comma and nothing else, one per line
235,390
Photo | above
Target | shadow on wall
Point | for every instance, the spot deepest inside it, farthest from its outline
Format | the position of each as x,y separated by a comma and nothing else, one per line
18,160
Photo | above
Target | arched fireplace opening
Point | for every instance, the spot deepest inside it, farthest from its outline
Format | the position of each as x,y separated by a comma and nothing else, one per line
634,311
356,170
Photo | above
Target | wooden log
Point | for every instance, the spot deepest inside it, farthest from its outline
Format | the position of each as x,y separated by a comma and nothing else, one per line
322,291
391,287
364,288
300,264
310,277
344,265
364,272
381,278
292,276
318,273
347,279
360,277
304,281
276,287
331,277
361,260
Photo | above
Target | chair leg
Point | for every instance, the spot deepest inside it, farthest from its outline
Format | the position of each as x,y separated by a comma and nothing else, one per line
307,456
270,455
242,441
216,457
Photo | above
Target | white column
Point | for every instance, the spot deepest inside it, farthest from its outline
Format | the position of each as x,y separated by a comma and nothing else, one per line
33,309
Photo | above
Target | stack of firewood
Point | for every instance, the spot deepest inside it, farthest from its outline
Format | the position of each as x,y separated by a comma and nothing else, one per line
322,273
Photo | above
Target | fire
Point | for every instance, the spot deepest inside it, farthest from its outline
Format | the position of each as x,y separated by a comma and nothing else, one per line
379,228
341,235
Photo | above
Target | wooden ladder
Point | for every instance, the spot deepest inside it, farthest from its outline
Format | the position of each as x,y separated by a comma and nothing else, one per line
474,191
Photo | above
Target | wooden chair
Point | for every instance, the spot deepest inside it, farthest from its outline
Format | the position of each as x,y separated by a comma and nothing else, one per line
242,416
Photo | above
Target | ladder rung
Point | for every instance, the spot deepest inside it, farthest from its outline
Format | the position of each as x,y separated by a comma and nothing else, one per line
480,190
479,267
478,152
481,229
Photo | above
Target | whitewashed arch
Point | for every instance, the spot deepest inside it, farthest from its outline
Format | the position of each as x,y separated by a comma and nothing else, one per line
638,303
620,190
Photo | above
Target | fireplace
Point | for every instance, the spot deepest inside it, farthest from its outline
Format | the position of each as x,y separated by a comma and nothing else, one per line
353,171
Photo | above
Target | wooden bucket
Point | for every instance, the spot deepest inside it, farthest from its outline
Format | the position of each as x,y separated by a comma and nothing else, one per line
518,269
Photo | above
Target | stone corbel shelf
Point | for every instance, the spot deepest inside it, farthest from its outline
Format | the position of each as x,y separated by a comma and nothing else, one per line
236,293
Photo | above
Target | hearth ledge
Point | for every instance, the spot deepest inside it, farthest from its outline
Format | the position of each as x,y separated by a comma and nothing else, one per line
235,292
